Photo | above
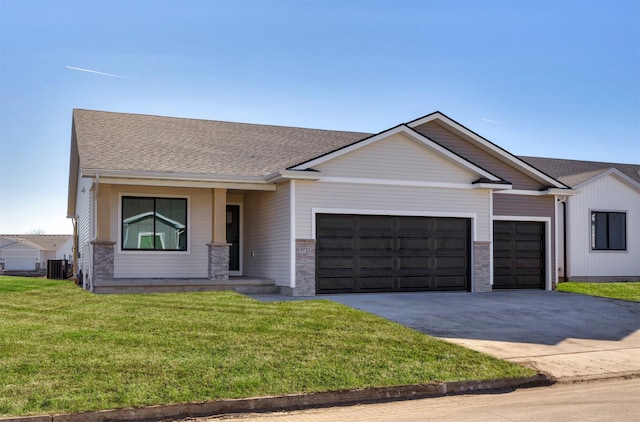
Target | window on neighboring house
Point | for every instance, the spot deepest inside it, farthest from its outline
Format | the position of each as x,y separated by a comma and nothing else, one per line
608,231
154,223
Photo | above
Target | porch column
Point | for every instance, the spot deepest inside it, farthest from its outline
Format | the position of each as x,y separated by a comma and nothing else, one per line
103,212
219,248
102,247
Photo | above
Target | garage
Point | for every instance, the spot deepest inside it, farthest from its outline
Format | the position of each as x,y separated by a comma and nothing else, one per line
518,255
382,253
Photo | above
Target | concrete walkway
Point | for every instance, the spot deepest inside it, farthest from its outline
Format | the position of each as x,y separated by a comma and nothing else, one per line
567,336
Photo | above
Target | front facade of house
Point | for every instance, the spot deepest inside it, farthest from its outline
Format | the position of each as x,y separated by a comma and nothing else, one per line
425,206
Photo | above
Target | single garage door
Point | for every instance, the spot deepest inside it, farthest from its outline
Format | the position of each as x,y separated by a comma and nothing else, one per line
378,253
518,255
19,263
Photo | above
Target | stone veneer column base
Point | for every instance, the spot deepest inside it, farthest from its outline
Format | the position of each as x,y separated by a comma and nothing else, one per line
482,267
218,261
305,270
103,252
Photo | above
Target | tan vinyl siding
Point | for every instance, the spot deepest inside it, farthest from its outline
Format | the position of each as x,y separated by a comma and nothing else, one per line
398,158
477,156
607,193
166,264
529,206
267,234
387,199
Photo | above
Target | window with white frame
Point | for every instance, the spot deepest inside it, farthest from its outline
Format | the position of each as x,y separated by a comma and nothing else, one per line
608,231
155,224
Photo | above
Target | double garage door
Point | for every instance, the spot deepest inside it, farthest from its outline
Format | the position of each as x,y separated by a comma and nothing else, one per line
378,253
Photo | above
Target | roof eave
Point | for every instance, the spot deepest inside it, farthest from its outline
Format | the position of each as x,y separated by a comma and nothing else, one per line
121,177
281,175
560,192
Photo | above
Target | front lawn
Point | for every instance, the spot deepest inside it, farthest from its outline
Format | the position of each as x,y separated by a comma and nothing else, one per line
625,291
65,350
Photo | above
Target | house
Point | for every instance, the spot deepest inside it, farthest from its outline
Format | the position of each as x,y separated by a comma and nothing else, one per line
428,205
30,252
600,226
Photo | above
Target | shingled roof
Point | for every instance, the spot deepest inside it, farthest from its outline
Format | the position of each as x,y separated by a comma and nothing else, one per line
574,172
146,143
45,242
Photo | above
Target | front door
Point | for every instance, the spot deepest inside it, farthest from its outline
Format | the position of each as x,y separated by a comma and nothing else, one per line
233,236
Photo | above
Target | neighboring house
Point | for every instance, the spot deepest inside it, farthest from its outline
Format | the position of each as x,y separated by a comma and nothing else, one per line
427,205
30,252
602,225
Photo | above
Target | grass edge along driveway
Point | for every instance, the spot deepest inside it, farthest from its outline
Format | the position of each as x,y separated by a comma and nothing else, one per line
66,350
621,290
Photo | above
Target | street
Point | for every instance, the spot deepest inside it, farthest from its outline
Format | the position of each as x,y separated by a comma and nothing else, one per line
617,400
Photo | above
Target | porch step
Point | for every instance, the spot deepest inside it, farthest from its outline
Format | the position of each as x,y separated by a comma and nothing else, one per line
244,285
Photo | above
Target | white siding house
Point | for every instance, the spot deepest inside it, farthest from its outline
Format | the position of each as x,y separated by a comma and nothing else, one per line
599,226
32,251
609,192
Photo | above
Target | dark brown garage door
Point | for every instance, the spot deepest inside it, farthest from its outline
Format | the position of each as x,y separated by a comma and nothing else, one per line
518,255
378,253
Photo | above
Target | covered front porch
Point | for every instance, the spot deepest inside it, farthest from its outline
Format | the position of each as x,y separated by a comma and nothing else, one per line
203,247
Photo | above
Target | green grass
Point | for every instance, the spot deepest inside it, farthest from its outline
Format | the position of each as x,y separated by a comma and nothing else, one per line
625,291
66,350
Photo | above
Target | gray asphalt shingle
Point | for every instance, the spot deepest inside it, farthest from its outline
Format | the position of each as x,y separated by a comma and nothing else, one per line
574,172
136,142
147,143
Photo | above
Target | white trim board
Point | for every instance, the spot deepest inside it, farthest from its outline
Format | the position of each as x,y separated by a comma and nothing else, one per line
292,233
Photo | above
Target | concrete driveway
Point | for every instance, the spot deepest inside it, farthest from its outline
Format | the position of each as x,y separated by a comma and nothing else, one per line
567,336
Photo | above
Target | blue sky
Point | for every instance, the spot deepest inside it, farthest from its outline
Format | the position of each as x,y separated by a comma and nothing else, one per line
546,78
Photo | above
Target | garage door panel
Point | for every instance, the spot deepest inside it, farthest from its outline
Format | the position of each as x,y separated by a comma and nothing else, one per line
529,245
378,223
413,263
450,283
335,284
414,283
394,253
376,263
375,243
451,263
451,243
413,243
340,243
519,255
529,229
335,263
339,221
379,283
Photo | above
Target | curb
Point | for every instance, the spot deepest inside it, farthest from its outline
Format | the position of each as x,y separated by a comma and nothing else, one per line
289,402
